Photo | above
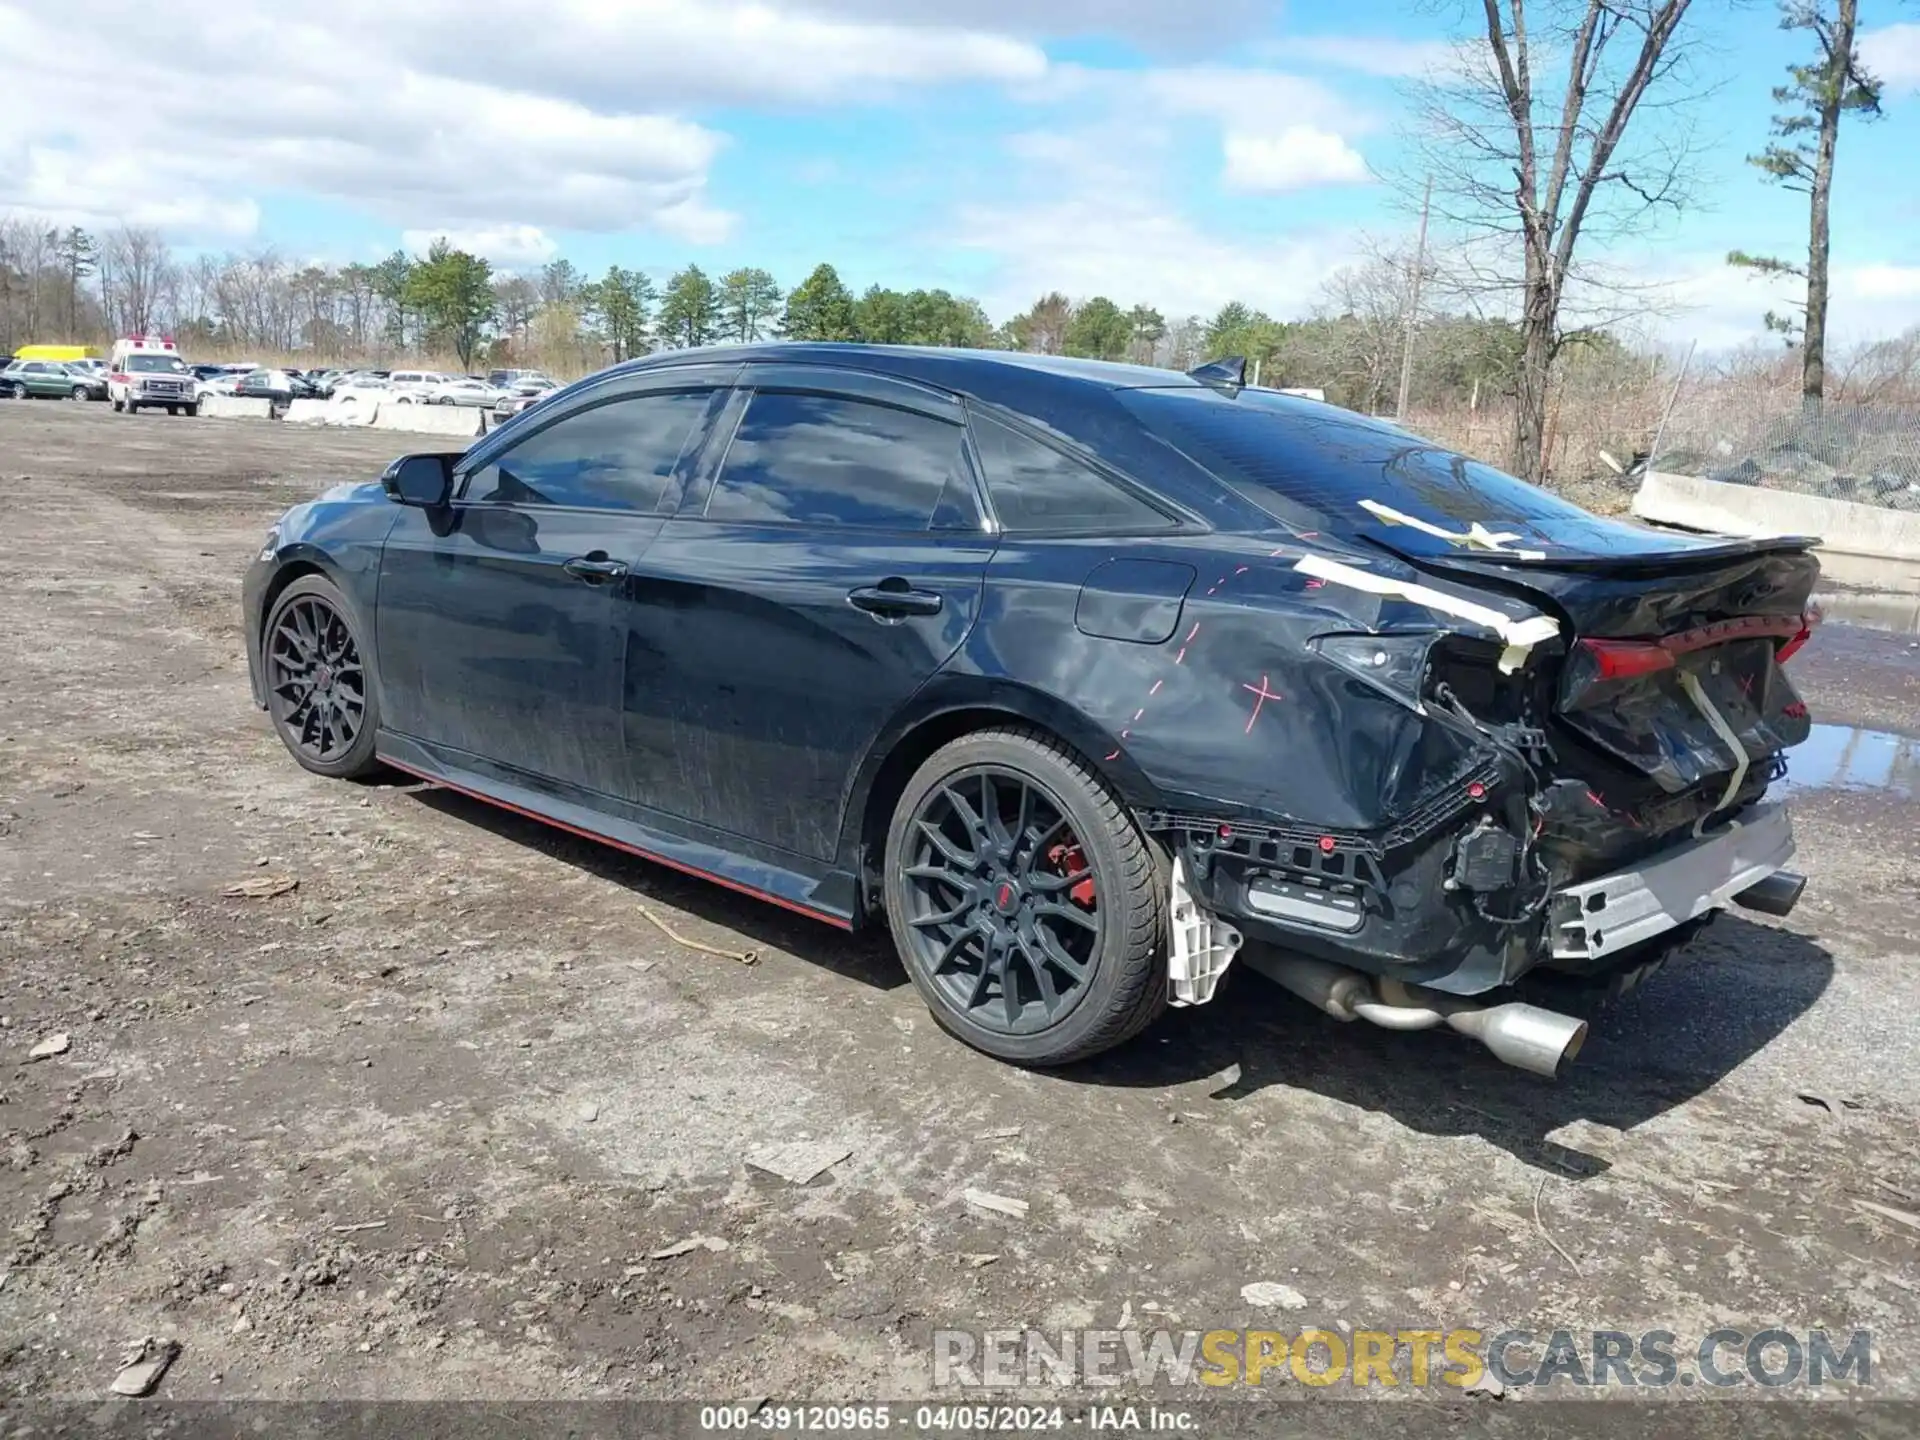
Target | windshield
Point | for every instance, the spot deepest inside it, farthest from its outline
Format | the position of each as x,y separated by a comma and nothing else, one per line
164,364
1319,467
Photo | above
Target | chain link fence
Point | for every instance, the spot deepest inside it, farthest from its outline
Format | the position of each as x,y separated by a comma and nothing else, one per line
1868,454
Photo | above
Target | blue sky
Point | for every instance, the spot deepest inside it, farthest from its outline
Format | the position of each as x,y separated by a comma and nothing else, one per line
1154,152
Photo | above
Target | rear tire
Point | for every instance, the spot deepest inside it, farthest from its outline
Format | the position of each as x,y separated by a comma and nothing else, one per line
1059,898
319,681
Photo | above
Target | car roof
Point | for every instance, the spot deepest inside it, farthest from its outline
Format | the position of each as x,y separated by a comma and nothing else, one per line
981,372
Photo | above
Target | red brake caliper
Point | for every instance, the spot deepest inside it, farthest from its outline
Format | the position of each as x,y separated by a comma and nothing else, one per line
1066,859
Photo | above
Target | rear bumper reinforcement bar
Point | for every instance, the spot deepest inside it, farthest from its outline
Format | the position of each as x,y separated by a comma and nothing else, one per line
1607,915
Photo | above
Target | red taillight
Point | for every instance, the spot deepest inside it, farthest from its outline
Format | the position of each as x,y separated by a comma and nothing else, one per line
1625,659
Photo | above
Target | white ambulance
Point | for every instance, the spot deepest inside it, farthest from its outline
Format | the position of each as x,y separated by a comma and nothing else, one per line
146,372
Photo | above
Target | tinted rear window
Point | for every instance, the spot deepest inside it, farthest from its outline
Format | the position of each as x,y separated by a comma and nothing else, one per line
1311,465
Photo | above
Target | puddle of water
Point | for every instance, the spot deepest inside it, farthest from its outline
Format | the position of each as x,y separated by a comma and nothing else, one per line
1844,757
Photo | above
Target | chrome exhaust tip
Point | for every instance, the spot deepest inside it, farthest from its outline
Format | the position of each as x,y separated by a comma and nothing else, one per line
1525,1036
1775,895
1538,1041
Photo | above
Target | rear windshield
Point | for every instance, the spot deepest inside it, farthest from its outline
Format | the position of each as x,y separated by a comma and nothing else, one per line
1312,466
162,363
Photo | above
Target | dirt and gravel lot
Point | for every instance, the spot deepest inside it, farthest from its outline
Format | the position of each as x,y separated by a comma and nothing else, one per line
415,1127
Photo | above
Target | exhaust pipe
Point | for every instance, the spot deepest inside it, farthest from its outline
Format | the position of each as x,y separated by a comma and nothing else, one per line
1775,895
1525,1036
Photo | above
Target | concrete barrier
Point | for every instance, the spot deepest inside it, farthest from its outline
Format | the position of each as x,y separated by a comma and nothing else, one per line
356,406
463,420
236,407
307,412
1865,545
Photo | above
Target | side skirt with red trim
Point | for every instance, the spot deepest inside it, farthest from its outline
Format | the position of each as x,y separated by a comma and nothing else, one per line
778,886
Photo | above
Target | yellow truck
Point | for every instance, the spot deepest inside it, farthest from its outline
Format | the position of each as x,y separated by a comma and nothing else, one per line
65,354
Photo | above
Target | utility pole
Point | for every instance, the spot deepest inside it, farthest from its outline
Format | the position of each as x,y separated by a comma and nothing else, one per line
1413,307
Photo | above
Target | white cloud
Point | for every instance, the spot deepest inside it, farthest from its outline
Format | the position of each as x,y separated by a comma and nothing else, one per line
1138,251
1298,157
426,118
1368,54
1089,211
1162,26
1893,53
1721,306
693,52
513,247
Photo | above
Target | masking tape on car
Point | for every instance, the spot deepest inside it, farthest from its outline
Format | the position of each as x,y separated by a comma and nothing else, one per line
1690,683
1520,636
1476,537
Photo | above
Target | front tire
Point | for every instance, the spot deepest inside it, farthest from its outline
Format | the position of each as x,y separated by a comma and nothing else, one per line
1026,903
79,392
319,686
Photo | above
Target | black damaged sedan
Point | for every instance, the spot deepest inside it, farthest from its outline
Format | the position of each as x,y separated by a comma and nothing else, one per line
1083,679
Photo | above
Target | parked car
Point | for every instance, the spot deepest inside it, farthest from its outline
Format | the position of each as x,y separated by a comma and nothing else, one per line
276,385
219,383
463,390
522,395
1075,676
413,386
50,380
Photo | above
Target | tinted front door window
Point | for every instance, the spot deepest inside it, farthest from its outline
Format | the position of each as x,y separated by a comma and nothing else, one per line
617,456
489,644
824,460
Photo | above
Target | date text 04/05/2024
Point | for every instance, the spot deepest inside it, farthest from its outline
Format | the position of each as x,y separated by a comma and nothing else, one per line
777,1419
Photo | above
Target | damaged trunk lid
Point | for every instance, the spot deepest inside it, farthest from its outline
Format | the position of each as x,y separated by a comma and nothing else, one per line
1673,664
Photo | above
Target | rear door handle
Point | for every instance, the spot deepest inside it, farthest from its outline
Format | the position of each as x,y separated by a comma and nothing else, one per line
594,569
895,600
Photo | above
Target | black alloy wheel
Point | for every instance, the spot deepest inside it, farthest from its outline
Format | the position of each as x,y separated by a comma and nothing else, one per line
1026,904
318,689
1002,904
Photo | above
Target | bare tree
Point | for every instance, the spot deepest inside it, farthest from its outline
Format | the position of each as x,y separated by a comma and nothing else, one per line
1835,83
1371,298
136,272
1522,164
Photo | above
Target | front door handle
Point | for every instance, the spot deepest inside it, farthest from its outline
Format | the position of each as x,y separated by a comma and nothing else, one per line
595,569
894,600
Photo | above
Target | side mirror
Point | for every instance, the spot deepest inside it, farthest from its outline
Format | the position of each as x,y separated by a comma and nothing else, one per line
423,480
